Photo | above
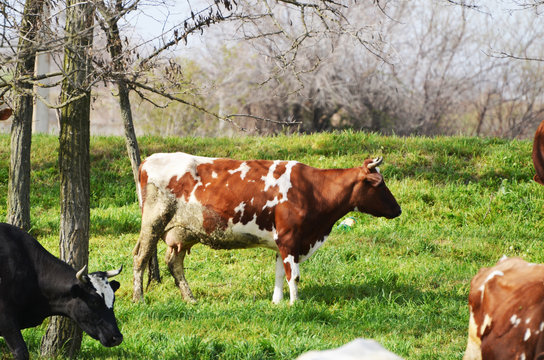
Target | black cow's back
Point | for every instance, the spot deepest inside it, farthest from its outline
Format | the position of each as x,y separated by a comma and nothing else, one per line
19,289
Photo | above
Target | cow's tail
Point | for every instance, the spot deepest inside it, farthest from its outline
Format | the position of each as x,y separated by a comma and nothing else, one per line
139,191
139,187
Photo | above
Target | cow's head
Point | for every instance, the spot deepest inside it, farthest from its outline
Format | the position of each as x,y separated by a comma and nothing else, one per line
372,196
92,305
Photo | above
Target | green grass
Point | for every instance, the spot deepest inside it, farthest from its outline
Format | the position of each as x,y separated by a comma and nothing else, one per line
404,282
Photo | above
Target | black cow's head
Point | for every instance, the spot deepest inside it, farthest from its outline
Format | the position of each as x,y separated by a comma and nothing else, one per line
92,305
373,196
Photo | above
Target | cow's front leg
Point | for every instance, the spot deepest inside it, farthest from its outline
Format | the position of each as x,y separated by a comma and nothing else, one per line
14,339
280,275
292,273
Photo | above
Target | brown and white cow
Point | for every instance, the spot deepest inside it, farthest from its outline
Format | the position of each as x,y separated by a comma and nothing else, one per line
284,206
538,154
506,304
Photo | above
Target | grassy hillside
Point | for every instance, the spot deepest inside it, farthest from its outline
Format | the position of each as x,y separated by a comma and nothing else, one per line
403,282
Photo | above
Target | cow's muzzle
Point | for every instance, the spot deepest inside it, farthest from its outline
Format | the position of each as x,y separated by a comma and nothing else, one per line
395,214
112,341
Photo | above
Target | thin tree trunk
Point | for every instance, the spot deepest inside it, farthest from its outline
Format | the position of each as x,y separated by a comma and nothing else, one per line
21,128
115,48
134,155
62,335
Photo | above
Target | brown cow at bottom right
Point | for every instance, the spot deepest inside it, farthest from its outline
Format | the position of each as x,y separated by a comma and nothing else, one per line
538,154
506,305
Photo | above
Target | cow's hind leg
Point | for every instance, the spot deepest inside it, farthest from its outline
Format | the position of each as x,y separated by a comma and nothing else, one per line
142,254
175,254
155,217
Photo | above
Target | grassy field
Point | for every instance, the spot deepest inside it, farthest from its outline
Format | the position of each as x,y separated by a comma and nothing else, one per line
403,282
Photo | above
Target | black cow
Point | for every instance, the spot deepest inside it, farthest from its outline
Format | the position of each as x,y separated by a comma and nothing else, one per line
34,284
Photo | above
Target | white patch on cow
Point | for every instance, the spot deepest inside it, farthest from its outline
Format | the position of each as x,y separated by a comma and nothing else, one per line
485,324
252,200
162,167
528,320
522,356
240,208
208,184
243,170
283,182
271,203
192,197
489,277
514,320
253,228
214,175
527,335
541,328
313,249
295,274
103,289
276,236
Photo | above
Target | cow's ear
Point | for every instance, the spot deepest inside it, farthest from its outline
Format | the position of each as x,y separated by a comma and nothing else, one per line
374,179
76,291
115,285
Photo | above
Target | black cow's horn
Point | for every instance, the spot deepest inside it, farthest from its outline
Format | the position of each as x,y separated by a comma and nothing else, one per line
79,274
112,273
377,161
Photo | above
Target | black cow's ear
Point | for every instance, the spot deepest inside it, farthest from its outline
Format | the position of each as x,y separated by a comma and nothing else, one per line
114,285
76,291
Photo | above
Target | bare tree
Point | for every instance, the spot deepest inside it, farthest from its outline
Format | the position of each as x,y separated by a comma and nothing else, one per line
62,334
21,128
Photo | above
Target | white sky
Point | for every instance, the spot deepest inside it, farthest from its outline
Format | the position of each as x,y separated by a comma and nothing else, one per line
154,21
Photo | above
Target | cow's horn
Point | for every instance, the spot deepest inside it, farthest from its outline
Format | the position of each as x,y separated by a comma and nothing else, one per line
79,274
112,273
377,161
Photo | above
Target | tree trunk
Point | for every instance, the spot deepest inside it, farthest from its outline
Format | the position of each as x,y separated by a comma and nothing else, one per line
21,128
62,335
133,151
115,47
19,170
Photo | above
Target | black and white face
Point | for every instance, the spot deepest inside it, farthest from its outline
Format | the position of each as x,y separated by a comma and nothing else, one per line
92,307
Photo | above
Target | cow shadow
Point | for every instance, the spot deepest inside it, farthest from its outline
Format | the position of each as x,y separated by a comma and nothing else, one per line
380,291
